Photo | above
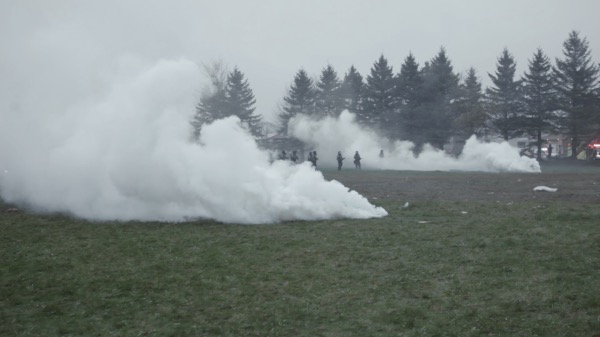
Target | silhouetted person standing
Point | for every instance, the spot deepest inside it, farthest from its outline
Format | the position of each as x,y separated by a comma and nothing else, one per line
381,154
549,151
283,156
357,159
312,157
340,159
294,156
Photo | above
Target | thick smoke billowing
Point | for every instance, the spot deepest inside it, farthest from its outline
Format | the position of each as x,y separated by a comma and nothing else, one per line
331,135
92,124
127,154
121,150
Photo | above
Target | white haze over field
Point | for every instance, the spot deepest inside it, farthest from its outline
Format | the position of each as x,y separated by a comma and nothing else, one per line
96,99
330,135
119,148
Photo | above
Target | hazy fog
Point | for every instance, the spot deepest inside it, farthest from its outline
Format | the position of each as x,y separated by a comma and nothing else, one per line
96,97
128,155
343,134
269,40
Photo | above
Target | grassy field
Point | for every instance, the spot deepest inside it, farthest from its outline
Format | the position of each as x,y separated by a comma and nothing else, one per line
432,269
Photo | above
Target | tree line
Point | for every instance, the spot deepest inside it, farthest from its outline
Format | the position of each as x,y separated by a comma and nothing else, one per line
431,103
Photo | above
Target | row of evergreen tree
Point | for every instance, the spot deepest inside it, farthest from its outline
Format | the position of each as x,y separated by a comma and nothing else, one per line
431,103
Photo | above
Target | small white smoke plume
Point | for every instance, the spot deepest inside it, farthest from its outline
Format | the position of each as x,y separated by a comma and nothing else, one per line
126,154
330,135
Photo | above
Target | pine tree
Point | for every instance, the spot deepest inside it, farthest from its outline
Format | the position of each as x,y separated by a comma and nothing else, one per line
440,87
213,100
409,86
471,116
328,100
409,82
577,83
228,95
504,98
352,90
379,99
440,80
539,98
300,100
240,101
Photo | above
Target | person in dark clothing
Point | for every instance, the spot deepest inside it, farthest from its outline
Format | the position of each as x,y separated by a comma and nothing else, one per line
294,156
549,151
340,159
381,154
315,158
283,155
357,160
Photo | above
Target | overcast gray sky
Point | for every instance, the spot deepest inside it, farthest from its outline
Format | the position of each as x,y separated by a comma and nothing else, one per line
269,40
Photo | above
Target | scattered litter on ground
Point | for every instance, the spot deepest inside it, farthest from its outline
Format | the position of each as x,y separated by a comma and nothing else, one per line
423,221
406,205
545,188
464,212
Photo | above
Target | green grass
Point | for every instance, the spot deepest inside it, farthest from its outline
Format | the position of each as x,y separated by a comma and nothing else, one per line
432,269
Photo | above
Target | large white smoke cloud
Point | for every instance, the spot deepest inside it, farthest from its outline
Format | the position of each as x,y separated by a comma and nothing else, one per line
129,155
330,135
93,124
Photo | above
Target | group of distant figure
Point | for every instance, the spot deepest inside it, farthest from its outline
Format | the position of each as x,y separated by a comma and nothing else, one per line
340,160
293,157
313,158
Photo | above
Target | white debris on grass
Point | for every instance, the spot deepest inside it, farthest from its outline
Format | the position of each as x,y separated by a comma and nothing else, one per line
545,188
